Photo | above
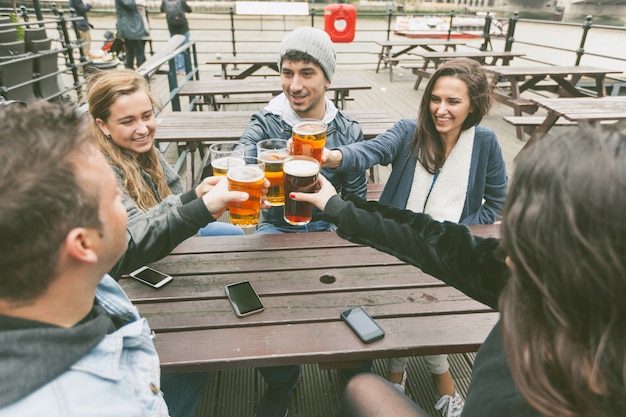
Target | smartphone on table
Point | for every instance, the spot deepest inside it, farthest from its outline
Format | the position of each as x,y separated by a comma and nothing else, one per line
244,299
362,324
152,277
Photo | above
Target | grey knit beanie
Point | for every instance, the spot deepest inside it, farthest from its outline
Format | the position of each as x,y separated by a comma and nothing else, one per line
314,42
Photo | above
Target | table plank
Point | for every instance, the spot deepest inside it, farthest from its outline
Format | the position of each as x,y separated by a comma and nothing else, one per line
210,90
311,343
254,64
307,308
229,125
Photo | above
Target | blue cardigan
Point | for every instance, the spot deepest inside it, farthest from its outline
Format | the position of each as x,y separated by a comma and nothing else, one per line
487,183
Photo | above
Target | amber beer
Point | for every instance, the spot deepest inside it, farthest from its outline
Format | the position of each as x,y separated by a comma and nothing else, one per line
273,152
309,138
246,174
274,173
300,176
219,166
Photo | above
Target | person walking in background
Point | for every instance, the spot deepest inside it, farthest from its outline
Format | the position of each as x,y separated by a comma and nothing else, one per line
177,24
123,128
445,165
558,278
132,27
84,27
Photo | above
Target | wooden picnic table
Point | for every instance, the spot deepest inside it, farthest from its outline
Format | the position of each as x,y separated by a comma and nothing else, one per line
437,58
510,82
253,63
607,109
194,128
304,280
390,59
216,93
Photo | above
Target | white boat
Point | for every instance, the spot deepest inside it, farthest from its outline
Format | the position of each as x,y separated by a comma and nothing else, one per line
438,26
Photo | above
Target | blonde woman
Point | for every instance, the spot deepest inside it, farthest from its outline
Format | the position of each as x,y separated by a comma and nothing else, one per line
123,128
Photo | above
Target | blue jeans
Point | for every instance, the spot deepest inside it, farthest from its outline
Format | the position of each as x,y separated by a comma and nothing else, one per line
220,229
273,223
180,59
182,392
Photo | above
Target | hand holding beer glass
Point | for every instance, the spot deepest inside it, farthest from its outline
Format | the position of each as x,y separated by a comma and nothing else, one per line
309,138
220,152
245,174
273,153
300,176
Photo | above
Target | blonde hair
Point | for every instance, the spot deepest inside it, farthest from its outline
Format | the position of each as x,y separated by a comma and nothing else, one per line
103,88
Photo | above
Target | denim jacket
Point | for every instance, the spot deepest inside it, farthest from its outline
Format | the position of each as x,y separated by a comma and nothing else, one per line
120,376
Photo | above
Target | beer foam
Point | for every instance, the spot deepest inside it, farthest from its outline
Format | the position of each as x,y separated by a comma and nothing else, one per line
246,173
220,163
310,128
274,156
300,168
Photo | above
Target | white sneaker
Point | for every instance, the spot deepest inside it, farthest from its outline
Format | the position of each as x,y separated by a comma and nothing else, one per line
450,406
402,385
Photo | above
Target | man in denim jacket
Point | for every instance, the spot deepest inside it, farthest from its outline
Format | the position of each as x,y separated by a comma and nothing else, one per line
71,342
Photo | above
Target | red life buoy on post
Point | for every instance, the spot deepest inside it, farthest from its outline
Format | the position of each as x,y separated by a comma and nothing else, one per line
340,22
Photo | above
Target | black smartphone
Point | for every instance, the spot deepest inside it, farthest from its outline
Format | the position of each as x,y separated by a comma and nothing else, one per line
151,277
362,324
244,299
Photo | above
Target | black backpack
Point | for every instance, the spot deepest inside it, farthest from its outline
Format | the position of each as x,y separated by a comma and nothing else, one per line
174,13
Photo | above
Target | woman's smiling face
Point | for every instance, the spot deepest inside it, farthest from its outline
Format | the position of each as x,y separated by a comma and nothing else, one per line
131,123
450,105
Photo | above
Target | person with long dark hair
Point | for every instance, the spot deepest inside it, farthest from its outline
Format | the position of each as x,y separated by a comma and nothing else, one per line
558,278
444,164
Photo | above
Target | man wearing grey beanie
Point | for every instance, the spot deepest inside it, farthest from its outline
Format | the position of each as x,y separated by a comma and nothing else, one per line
307,60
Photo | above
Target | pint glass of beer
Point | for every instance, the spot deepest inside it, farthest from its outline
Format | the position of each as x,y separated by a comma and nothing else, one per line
300,176
273,152
308,138
220,152
245,174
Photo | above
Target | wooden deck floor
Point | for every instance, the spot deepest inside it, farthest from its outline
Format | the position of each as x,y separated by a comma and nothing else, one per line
236,393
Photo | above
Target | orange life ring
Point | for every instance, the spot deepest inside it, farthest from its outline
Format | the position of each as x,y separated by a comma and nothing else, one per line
340,22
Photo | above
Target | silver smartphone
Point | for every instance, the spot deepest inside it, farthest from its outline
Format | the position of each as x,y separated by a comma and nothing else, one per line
362,324
151,277
244,299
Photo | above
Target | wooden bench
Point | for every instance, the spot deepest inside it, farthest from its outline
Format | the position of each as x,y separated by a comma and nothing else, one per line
216,93
533,121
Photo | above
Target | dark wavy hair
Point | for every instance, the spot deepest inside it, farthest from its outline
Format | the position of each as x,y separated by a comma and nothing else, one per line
42,198
426,143
564,308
